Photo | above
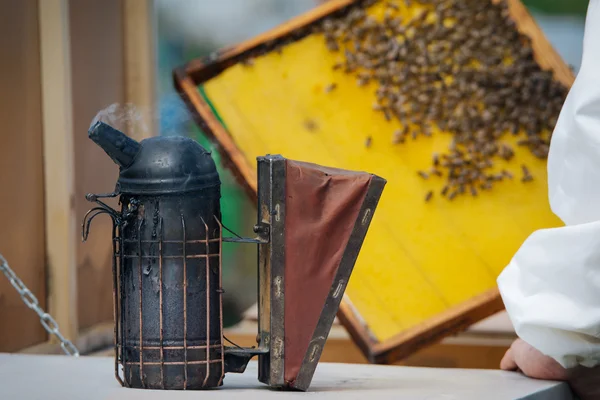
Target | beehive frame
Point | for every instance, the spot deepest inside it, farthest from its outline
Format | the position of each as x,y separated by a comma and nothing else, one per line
187,79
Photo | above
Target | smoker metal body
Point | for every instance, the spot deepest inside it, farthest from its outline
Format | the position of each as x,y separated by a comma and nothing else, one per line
168,238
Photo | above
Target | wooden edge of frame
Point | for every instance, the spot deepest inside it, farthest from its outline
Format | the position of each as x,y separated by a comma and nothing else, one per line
545,54
357,330
204,69
458,318
453,320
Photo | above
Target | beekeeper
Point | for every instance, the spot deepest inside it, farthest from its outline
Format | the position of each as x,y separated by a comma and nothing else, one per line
551,288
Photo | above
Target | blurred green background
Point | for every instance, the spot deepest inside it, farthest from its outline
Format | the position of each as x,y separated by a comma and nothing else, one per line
559,7
188,29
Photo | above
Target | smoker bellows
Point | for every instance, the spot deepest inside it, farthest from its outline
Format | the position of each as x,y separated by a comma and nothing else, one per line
168,239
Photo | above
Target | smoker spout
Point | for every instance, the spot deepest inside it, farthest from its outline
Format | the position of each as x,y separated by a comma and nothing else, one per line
120,148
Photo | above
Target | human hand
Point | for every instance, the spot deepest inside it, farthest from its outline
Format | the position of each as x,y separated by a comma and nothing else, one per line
523,357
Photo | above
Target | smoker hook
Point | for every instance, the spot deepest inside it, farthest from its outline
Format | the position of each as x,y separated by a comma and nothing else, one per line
102,208
87,220
94,197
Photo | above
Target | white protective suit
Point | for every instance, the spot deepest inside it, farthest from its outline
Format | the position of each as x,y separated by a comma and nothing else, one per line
551,288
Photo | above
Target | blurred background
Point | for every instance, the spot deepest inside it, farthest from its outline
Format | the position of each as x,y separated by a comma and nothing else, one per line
61,63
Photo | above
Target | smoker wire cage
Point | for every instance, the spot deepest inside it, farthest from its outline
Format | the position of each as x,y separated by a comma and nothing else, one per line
141,357
204,355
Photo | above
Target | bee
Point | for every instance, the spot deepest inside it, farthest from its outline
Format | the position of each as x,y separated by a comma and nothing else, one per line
386,113
362,81
428,196
526,174
247,62
398,137
393,53
387,17
506,152
473,191
436,172
444,191
310,125
349,55
427,130
330,88
332,45
423,174
392,5
328,25
452,195
368,142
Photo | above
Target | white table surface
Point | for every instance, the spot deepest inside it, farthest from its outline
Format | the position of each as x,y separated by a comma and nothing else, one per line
27,377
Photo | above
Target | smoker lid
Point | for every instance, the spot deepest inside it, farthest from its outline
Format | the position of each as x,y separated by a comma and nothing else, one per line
168,165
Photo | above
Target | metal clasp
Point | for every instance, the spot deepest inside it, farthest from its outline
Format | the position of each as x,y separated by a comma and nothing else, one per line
261,229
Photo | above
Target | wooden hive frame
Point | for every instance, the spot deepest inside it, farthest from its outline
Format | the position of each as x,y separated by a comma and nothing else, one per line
187,79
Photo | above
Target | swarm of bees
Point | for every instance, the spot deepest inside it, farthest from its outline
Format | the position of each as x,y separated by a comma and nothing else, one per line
460,65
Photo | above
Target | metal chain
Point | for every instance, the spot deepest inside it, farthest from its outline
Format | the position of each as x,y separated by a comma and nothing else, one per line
32,302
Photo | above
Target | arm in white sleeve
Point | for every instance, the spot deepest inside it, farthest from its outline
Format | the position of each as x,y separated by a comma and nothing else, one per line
551,288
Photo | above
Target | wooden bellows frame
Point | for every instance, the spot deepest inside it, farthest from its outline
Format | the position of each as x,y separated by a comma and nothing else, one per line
189,77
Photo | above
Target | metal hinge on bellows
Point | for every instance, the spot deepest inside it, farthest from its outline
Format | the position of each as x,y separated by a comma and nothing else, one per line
262,229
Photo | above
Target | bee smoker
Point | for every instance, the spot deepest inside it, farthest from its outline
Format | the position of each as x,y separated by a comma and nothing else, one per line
167,241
